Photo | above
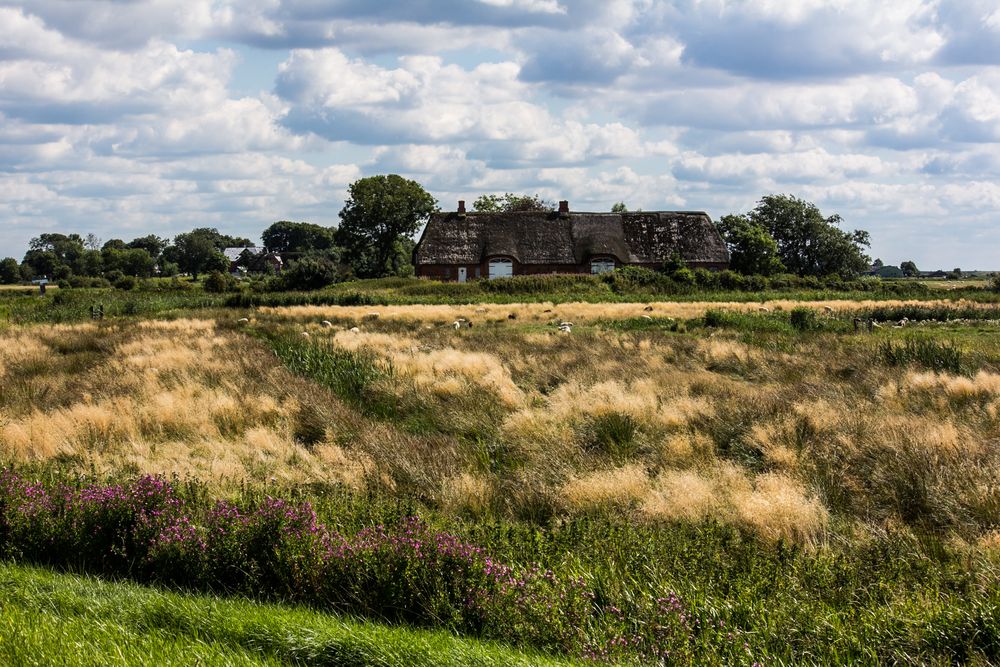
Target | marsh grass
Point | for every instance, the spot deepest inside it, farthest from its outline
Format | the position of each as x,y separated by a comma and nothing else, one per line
941,356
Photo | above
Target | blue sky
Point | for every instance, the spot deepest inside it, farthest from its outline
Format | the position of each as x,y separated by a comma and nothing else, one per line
128,117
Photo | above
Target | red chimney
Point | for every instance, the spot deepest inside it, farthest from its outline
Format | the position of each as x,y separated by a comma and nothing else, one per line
564,207
461,206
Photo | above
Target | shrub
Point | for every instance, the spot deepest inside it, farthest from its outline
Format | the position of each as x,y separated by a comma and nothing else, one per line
683,276
804,319
218,282
731,280
706,278
125,283
309,273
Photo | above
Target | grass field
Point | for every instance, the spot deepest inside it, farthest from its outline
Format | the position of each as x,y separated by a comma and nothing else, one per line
61,619
782,481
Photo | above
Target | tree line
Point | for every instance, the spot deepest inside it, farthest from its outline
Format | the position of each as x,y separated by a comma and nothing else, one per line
783,234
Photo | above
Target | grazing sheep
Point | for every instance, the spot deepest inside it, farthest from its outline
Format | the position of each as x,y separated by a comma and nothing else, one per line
326,324
355,330
828,310
457,325
763,309
243,320
648,309
305,334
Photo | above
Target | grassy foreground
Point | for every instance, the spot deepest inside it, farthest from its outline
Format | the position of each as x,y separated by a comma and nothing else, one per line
48,619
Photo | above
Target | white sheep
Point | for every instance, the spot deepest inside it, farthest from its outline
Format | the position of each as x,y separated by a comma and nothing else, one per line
243,320
305,334
355,330
326,324
457,325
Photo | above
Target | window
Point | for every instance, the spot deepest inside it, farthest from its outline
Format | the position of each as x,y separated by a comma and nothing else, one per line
602,265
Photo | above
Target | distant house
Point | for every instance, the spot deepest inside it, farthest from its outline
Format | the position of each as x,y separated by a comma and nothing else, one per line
251,259
460,245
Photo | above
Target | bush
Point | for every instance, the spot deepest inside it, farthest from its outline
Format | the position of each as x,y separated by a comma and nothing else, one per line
310,273
804,319
125,283
706,278
218,282
995,283
731,280
683,276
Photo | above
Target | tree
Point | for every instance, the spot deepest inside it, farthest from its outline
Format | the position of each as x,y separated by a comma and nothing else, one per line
151,243
809,244
286,237
877,264
752,250
619,208
909,269
91,242
380,211
510,202
10,272
48,254
197,252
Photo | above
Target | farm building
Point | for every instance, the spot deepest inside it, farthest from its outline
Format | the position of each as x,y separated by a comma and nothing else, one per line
252,260
460,245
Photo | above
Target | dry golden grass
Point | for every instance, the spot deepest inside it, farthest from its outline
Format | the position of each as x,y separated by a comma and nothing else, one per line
507,416
578,312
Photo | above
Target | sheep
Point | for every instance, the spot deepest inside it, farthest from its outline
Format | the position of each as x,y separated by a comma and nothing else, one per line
763,309
243,320
305,334
326,324
648,309
828,310
566,324
457,325
355,330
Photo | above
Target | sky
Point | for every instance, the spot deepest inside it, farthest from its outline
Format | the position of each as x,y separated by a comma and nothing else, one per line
123,118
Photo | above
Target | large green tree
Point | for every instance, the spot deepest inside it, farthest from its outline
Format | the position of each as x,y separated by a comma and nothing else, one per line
198,251
752,250
810,244
379,214
10,272
151,243
510,202
53,254
909,269
287,237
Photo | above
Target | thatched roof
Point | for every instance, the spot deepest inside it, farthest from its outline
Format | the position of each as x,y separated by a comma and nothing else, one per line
542,237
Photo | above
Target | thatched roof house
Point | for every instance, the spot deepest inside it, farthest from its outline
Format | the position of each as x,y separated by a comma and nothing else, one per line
460,245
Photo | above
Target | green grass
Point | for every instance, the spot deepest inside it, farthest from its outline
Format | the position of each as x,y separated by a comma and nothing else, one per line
48,619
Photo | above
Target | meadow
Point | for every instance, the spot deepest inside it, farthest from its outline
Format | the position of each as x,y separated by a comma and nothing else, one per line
725,480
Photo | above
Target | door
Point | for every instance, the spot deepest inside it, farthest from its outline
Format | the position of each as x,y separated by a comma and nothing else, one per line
501,268
461,274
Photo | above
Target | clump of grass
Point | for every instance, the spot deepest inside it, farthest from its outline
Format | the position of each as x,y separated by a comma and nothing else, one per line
932,354
612,433
350,374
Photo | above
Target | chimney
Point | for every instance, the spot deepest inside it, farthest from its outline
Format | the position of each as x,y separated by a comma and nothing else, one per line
461,207
564,208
